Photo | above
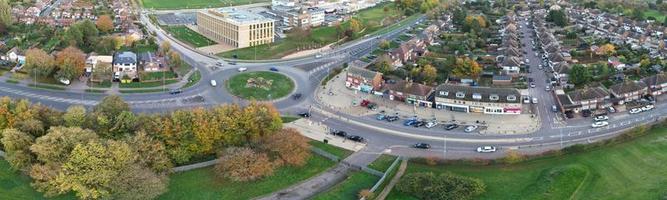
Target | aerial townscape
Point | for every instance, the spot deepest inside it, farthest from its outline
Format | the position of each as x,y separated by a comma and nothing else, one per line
333,100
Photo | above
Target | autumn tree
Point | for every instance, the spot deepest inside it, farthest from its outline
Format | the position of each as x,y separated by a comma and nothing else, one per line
175,59
5,14
259,120
165,47
104,23
150,152
75,116
607,49
17,148
243,164
466,67
580,75
429,74
355,25
38,62
71,63
111,117
289,146
138,183
384,44
383,64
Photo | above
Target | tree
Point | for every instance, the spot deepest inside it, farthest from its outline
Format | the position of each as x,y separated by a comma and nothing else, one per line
384,44
56,145
243,164
111,106
38,62
138,183
124,124
71,62
17,148
558,17
5,14
384,64
104,23
289,146
151,153
103,118
165,47
355,25
174,59
580,75
75,116
607,49
466,67
429,74
105,45
259,120
444,186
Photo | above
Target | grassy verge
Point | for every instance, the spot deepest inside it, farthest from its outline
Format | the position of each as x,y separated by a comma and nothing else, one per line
95,91
147,84
340,152
192,4
382,163
16,186
630,170
188,36
387,179
288,119
203,184
12,81
193,79
48,87
350,187
276,85
143,91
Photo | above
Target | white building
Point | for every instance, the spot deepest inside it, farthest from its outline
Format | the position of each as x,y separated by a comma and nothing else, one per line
125,63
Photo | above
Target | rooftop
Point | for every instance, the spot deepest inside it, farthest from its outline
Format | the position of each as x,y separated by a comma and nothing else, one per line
481,94
588,94
237,16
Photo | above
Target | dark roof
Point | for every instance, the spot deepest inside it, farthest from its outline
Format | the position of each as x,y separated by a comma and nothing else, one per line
125,57
627,87
502,78
356,71
511,51
556,57
481,94
511,61
654,80
410,88
562,68
588,94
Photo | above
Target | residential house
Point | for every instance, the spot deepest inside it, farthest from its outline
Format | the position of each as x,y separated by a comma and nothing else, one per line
501,80
410,93
403,54
125,63
511,65
15,55
589,98
657,84
151,62
628,91
363,79
478,99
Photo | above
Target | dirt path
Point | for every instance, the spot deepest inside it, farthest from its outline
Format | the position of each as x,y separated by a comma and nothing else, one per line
394,180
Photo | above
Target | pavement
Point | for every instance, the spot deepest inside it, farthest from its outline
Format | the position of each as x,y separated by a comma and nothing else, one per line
320,132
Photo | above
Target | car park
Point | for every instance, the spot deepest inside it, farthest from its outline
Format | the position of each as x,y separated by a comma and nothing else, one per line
450,127
470,128
177,91
356,138
635,110
339,133
599,124
431,124
486,149
214,83
304,114
422,146
601,118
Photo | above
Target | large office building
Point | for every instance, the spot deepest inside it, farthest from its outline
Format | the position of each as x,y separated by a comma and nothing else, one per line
234,27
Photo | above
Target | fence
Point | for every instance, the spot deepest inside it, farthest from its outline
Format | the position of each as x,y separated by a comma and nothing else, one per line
385,175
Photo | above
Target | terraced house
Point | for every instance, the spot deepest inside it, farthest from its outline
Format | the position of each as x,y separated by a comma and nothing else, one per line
362,79
410,93
478,99
657,84
628,91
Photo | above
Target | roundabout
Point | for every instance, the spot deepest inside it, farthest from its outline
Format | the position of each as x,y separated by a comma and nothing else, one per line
260,85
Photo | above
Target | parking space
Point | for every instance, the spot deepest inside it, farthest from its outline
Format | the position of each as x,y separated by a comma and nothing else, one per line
172,19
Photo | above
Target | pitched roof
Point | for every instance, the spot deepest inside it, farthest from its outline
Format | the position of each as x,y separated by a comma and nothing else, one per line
654,80
125,57
481,94
562,68
627,86
588,94
556,57
511,51
410,88
511,61
356,71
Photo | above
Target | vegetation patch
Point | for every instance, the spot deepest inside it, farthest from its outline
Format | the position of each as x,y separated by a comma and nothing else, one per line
192,4
350,187
340,152
382,163
189,36
260,85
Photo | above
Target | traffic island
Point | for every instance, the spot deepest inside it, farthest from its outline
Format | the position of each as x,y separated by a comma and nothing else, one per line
261,86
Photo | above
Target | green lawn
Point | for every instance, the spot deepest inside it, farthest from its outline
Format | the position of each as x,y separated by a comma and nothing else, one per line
288,119
146,84
203,184
370,18
186,35
350,187
632,170
382,163
143,91
193,79
657,14
340,152
14,186
157,75
190,4
275,85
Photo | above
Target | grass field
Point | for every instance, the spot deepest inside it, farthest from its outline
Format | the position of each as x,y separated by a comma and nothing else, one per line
657,14
191,37
146,84
632,170
382,163
350,187
14,186
370,18
191,4
280,85
202,183
340,152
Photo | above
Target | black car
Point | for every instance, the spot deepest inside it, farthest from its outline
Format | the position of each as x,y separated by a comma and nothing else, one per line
339,133
296,96
391,118
355,138
451,126
419,123
304,114
422,146
175,91
586,113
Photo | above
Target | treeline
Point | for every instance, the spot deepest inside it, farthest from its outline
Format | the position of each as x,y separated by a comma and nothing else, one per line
111,153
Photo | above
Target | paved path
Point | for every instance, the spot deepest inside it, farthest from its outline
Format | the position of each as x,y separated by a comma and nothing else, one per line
394,180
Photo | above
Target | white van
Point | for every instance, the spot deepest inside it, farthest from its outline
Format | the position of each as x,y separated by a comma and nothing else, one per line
213,83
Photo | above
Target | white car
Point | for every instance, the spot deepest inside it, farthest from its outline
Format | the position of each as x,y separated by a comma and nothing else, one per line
601,118
470,128
547,88
431,124
214,83
647,108
532,85
526,100
534,100
635,110
599,124
486,149
242,69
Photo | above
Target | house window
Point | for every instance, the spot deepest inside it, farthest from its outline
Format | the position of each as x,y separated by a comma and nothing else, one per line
511,98
443,93
477,96
460,95
494,97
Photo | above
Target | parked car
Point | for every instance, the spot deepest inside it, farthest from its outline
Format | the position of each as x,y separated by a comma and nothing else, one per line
611,109
600,118
422,146
470,128
599,124
242,69
372,106
304,114
647,107
486,149
554,108
274,69
296,96
431,124
214,83
586,113
526,100
380,116
364,103
451,126
392,118
356,138
532,85
534,100
635,110
409,122
177,91
339,133
419,123
547,88
650,98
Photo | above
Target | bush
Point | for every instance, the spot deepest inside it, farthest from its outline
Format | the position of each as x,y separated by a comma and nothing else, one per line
366,194
288,146
243,164
513,156
444,186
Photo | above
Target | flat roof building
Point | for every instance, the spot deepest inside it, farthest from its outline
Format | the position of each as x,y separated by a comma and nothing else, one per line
234,27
